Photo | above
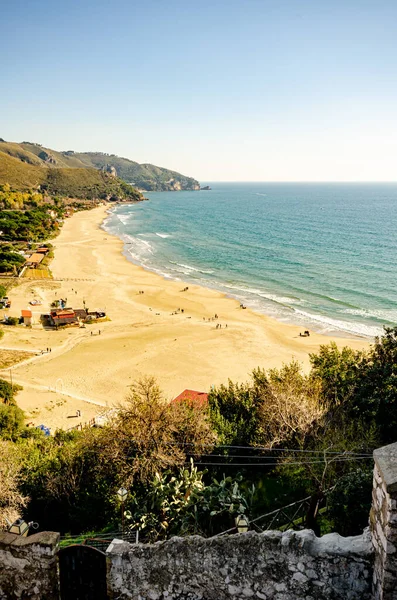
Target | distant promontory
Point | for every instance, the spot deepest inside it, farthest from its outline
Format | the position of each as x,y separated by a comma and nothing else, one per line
34,164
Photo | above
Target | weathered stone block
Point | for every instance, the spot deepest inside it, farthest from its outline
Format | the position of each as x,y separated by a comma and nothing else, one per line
29,566
290,565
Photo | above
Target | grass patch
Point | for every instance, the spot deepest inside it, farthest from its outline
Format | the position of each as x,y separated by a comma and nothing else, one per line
8,358
37,274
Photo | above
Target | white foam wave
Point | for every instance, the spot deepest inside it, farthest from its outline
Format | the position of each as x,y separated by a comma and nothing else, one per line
258,194
385,315
163,235
123,218
336,324
272,297
188,269
137,247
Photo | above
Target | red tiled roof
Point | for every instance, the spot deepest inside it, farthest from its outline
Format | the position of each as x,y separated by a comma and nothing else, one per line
192,396
26,313
63,312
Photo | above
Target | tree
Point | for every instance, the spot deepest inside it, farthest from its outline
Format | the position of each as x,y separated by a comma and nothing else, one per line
8,391
338,371
376,393
332,451
291,404
11,500
350,501
73,480
11,422
277,406
235,413
154,434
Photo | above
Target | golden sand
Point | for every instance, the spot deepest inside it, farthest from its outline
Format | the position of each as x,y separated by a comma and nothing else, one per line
142,337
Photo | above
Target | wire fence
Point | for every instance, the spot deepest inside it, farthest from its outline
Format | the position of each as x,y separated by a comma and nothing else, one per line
100,540
291,516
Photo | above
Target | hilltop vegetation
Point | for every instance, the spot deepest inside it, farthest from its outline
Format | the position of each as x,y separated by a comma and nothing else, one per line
21,171
144,176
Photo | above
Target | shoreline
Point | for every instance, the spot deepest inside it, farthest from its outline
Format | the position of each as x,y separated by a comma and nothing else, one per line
311,324
145,334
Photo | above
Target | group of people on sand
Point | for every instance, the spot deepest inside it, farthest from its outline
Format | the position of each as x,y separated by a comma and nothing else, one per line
185,289
306,333
218,326
141,292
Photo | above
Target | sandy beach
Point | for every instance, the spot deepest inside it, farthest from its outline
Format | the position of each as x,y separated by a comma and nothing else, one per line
91,368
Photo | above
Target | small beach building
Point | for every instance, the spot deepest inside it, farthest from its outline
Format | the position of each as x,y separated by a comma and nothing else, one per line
64,316
192,398
34,260
26,316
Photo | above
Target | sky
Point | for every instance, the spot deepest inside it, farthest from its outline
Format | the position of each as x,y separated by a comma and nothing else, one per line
221,90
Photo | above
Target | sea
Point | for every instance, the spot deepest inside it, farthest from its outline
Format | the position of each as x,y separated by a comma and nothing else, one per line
319,255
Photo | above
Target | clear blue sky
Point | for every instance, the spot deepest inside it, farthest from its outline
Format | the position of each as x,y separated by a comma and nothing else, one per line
220,90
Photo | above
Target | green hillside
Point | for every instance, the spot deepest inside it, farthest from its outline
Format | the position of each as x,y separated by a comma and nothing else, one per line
144,176
22,170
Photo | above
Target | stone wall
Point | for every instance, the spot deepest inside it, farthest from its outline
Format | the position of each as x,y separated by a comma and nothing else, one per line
28,566
268,566
384,523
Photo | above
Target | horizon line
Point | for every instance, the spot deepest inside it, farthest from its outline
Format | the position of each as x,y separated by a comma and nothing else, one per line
297,181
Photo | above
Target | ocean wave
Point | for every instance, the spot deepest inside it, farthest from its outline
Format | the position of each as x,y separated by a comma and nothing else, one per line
190,269
163,235
383,315
137,245
284,300
123,218
335,324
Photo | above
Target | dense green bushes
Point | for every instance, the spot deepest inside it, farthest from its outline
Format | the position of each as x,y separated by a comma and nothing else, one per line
10,261
30,225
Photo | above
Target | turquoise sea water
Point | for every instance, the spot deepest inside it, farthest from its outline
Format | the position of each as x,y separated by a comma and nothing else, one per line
321,255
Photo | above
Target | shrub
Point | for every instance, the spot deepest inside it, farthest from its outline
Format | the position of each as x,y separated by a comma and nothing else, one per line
12,321
11,421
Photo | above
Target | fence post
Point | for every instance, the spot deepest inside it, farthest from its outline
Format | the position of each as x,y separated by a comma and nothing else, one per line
383,523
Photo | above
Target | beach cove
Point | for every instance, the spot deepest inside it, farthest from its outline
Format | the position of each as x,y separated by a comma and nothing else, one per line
146,334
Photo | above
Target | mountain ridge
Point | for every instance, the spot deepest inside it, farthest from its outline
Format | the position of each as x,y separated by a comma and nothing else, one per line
23,173
145,176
